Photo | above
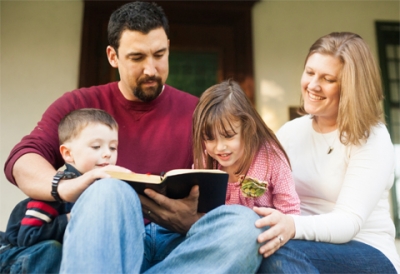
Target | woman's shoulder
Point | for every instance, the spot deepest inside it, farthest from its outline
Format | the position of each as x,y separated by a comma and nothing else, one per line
379,135
294,131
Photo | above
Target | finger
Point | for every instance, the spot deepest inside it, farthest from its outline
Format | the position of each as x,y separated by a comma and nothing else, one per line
150,209
270,247
263,211
148,203
116,168
194,193
160,199
271,233
264,221
264,236
271,217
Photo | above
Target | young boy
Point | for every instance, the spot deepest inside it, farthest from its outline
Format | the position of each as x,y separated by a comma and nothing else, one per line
88,144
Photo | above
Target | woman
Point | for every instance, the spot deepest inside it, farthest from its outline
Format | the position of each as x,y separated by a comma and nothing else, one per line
343,166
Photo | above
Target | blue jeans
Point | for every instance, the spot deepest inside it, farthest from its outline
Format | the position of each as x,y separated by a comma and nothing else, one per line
106,235
300,256
44,257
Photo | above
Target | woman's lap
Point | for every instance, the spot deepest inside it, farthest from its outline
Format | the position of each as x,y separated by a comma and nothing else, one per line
300,256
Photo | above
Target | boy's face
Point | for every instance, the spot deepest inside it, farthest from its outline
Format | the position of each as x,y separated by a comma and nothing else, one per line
95,147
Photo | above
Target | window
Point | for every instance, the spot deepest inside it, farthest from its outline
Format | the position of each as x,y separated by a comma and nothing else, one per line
388,35
193,72
218,45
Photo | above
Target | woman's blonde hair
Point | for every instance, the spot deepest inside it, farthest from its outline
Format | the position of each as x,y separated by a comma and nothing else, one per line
218,109
361,88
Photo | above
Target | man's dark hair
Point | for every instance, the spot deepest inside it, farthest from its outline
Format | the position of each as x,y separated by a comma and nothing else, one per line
137,16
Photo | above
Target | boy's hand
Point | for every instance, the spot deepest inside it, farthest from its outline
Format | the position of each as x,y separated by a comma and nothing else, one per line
176,215
70,190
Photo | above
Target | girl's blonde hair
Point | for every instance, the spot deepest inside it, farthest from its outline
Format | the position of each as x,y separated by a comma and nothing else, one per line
219,108
361,88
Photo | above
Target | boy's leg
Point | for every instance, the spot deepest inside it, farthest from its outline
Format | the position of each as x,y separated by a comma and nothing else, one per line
300,256
222,241
43,257
106,231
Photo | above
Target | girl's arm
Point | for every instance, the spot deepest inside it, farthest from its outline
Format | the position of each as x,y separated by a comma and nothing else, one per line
284,195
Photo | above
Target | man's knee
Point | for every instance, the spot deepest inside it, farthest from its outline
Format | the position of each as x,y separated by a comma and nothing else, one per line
109,189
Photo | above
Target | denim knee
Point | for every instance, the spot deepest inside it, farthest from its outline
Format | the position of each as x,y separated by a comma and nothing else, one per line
239,214
234,220
43,257
110,190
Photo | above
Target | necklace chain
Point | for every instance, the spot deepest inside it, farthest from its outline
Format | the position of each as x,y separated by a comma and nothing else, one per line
330,147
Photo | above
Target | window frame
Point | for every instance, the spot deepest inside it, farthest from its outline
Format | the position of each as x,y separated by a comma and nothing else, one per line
388,33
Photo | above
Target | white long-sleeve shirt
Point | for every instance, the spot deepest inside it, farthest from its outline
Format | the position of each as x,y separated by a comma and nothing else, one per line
344,194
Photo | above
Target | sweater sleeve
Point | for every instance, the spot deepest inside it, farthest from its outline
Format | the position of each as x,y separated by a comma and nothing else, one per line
368,177
285,197
42,221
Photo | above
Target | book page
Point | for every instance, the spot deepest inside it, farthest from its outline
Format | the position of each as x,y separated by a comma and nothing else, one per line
183,171
135,177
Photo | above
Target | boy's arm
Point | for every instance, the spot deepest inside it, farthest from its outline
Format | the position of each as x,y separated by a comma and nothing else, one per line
34,175
42,221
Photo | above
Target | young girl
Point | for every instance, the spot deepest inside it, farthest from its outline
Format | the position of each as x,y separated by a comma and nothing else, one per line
230,135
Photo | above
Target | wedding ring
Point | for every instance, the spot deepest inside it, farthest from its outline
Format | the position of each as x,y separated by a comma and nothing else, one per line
148,212
280,238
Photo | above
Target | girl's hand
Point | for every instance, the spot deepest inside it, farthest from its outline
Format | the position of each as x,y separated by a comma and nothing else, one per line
281,229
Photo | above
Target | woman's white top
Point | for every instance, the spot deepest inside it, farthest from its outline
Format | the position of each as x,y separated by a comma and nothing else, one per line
345,194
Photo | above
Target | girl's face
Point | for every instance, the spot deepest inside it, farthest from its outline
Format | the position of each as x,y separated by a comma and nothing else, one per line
227,149
321,87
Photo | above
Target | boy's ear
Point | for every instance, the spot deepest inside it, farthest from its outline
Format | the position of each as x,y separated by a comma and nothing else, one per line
66,154
112,56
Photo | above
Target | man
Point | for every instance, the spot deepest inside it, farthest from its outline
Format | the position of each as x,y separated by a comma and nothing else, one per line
106,232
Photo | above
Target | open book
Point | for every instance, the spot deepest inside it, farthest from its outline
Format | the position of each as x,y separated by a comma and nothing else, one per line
177,183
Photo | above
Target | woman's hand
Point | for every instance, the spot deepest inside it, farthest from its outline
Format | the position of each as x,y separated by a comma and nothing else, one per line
281,229
176,215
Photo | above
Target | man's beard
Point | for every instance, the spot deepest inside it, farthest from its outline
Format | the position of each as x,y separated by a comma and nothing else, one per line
150,93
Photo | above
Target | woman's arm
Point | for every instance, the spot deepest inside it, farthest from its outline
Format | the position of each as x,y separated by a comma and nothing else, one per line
368,176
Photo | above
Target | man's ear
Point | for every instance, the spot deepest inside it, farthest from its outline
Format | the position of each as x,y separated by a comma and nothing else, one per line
66,154
112,56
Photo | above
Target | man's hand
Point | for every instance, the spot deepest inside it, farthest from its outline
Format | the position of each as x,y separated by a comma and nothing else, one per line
176,215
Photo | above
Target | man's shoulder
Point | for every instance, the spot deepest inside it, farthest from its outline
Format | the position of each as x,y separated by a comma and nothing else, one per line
109,87
87,96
